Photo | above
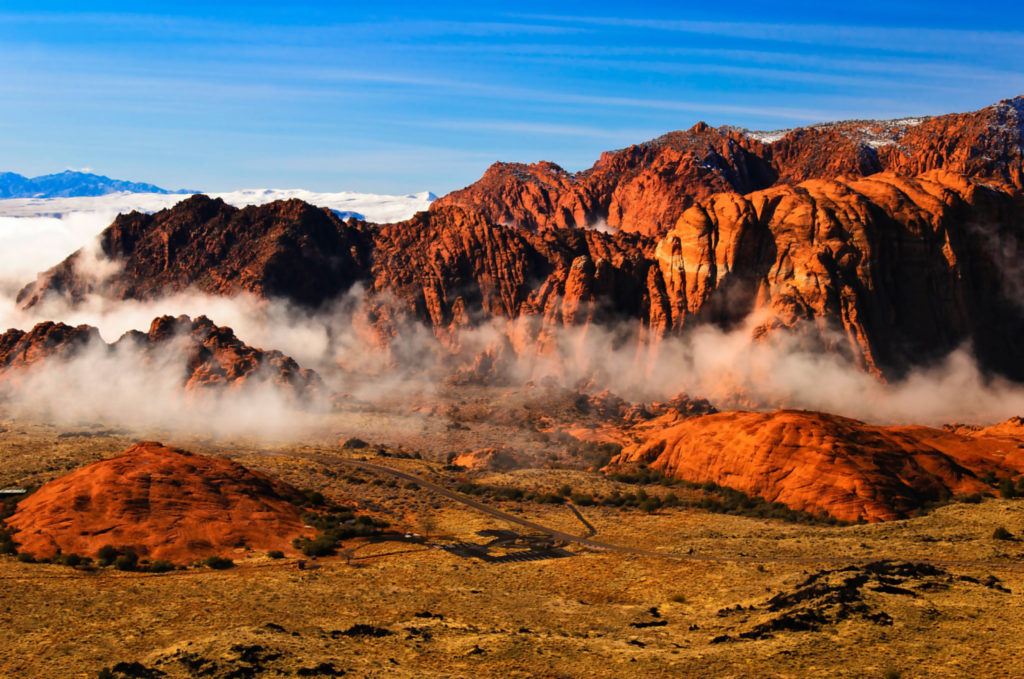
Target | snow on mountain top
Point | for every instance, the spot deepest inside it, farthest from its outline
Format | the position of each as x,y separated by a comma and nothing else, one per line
874,133
68,184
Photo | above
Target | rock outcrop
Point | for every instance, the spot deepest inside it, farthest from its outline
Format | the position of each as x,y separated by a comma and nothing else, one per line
286,249
486,459
161,503
45,341
826,464
206,355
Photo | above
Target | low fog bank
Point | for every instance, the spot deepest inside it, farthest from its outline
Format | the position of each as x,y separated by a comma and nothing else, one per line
133,386
29,245
783,370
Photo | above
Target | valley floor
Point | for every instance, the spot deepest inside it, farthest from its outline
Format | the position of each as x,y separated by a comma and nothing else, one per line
732,597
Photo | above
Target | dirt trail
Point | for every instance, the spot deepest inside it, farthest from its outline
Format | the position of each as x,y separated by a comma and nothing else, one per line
603,546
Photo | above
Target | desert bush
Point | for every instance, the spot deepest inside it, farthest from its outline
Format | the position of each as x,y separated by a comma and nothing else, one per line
641,476
127,561
546,498
321,545
26,558
1007,488
678,597
506,493
1001,533
314,498
106,555
70,560
582,499
275,554
160,566
218,563
8,547
651,504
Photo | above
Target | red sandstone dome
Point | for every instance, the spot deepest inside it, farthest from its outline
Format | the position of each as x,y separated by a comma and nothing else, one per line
161,502
826,464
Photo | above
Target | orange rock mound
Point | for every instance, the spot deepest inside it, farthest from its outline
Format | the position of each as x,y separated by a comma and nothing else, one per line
827,464
486,459
161,502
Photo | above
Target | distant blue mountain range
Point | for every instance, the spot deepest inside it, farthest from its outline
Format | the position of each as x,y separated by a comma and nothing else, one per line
69,184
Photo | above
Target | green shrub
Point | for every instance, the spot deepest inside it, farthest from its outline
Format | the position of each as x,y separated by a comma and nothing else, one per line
160,566
321,545
1001,533
127,561
315,498
275,554
8,547
218,563
1007,489
26,558
70,560
106,555
651,504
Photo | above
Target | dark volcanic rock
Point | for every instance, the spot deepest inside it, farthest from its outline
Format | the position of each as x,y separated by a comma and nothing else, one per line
829,597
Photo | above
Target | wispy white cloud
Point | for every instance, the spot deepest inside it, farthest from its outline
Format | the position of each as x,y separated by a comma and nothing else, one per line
520,127
897,39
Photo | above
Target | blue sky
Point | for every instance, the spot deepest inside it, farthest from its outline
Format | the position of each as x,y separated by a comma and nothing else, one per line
397,97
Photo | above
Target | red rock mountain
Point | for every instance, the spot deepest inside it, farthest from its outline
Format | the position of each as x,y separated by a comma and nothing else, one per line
209,355
902,238
646,187
161,502
286,249
826,464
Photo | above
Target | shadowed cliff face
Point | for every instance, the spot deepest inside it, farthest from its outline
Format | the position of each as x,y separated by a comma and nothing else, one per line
284,249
